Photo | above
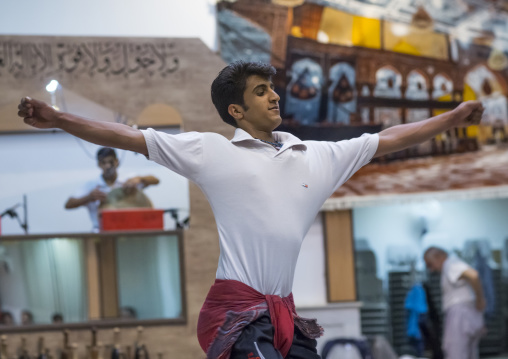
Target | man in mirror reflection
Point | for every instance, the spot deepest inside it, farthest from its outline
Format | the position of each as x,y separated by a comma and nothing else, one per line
463,303
57,318
128,313
27,317
6,318
94,194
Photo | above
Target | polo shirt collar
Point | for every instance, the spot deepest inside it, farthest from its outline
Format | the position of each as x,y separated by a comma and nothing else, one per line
287,139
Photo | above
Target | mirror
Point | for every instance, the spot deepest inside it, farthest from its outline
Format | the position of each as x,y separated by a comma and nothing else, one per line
42,279
149,282
75,279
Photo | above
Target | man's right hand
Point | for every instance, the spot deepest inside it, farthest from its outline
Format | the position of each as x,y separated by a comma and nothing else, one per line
468,113
97,195
41,115
37,113
481,304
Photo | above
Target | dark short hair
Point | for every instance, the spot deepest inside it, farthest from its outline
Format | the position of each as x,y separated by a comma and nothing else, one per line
128,312
4,315
229,85
104,152
434,251
57,317
28,313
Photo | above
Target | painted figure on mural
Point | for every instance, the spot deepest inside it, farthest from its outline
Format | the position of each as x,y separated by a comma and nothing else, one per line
303,98
341,94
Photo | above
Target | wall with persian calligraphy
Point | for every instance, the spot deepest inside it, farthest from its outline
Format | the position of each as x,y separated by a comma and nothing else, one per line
127,75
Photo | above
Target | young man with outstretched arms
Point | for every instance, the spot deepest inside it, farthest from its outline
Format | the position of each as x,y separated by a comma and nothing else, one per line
265,189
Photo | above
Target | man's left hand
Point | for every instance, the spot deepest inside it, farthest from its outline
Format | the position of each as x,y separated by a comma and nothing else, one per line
468,113
481,304
131,185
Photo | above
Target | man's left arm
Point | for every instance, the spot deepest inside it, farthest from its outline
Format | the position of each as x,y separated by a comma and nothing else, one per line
144,181
400,137
473,279
148,180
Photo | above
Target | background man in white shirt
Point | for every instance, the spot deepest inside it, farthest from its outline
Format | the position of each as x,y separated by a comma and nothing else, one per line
463,304
95,192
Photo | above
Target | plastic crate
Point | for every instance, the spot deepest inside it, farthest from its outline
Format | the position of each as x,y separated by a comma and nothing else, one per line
131,219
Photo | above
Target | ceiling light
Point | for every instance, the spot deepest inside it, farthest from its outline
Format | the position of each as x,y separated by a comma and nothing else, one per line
52,86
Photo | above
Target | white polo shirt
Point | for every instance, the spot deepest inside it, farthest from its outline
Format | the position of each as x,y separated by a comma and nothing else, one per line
455,290
264,200
93,206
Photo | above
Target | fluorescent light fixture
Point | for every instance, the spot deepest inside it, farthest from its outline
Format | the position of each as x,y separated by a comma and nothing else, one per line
52,86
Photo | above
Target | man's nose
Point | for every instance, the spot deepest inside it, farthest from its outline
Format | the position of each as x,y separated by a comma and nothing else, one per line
274,96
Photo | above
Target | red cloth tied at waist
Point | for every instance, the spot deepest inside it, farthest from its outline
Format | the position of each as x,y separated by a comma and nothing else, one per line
232,305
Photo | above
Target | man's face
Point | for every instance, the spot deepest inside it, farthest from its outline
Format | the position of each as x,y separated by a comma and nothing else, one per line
25,318
263,104
108,165
7,319
434,263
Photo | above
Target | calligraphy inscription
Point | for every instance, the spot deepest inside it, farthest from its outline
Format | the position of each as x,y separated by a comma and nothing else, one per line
24,60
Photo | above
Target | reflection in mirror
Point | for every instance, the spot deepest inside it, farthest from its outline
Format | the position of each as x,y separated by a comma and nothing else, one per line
42,281
77,278
148,277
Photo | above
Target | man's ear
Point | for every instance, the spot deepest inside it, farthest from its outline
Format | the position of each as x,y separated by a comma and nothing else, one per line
236,111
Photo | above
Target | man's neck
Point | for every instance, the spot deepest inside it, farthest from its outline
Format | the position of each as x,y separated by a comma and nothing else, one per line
110,181
260,134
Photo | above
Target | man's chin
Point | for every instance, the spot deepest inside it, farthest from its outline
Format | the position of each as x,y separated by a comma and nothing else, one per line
109,176
278,122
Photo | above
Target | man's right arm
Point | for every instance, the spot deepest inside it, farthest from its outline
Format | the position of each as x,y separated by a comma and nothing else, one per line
400,137
41,115
94,195
74,202
471,276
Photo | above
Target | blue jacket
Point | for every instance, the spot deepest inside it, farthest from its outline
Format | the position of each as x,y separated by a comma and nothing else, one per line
416,305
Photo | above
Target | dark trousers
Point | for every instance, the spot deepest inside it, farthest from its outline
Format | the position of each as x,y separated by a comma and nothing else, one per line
256,342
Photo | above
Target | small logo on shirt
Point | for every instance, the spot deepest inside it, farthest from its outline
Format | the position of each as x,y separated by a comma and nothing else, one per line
305,185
